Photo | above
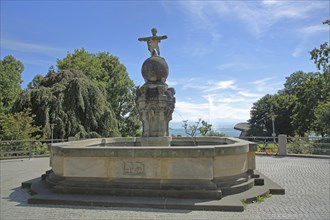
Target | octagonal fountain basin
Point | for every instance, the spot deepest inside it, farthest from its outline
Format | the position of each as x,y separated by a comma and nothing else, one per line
216,167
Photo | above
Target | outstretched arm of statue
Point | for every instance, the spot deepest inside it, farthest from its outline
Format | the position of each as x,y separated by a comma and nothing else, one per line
163,37
143,38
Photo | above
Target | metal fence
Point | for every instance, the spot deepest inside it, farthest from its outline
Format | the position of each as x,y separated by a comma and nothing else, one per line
271,143
26,148
309,145
297,145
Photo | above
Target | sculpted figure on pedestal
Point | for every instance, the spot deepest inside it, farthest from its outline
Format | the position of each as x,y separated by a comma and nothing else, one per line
153,42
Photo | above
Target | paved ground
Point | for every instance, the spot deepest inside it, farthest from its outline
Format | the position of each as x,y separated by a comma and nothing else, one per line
306,181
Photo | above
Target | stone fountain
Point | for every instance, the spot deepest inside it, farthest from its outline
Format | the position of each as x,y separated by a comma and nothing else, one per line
154,170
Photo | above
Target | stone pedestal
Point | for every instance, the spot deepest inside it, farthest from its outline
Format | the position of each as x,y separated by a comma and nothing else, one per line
155,103
282,142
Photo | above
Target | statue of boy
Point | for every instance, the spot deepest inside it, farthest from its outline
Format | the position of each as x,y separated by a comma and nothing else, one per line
153,42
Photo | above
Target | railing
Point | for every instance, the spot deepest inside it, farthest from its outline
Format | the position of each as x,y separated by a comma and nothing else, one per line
297,145
260,139
266,145
309,145
26,148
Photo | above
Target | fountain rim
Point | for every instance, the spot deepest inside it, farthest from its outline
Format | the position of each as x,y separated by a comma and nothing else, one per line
94,148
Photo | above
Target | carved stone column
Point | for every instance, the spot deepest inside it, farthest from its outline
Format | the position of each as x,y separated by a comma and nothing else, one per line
155,103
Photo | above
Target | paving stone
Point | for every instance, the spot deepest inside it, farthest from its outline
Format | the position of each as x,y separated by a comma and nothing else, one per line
306,182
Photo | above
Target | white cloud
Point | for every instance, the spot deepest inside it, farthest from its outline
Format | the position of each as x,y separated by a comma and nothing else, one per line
300,48
193,84
314,29
306,34
225,101
270,2
189,111
249,94
220,85
171,83
266,85
212,111
258,16
262,81
207,86
29,47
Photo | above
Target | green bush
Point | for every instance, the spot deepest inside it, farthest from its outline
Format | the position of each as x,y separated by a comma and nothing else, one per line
300,145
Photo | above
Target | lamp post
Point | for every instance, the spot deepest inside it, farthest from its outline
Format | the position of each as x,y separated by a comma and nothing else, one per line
273,124
52,127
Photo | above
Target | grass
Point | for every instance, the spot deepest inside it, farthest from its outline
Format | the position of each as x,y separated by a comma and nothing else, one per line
258,199
270,148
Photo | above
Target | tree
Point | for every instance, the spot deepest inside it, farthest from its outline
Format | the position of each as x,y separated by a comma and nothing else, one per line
302,104
309,96
278,106
200,127
17,126
10,80
35,81
322,119
69,99
321,55
191,130
106,70
205,128
294,80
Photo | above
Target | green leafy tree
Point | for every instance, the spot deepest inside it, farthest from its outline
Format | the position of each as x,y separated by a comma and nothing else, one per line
321,55
191,130
260,117
309,95
10,80
106,70
304,109
295,80
205,128
199,127
18,126
322,119
35,81
278,106
69,99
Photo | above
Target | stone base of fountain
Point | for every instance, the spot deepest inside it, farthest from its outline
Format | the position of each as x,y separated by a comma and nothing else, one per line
43,194
211,171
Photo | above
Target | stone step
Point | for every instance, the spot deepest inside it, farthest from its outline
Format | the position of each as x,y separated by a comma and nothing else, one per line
163,193
245,185
44,195
233,182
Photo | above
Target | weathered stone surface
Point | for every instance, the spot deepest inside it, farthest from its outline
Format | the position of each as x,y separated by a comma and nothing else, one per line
100,166
155,69
155,103
154,100
153,41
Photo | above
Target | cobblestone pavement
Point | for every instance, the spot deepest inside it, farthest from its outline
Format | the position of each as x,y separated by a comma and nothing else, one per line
306,181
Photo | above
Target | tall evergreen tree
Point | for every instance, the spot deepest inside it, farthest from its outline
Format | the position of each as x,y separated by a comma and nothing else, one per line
75,104
106,70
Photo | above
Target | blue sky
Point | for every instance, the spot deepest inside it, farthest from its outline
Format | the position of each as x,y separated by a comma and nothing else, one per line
223,55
